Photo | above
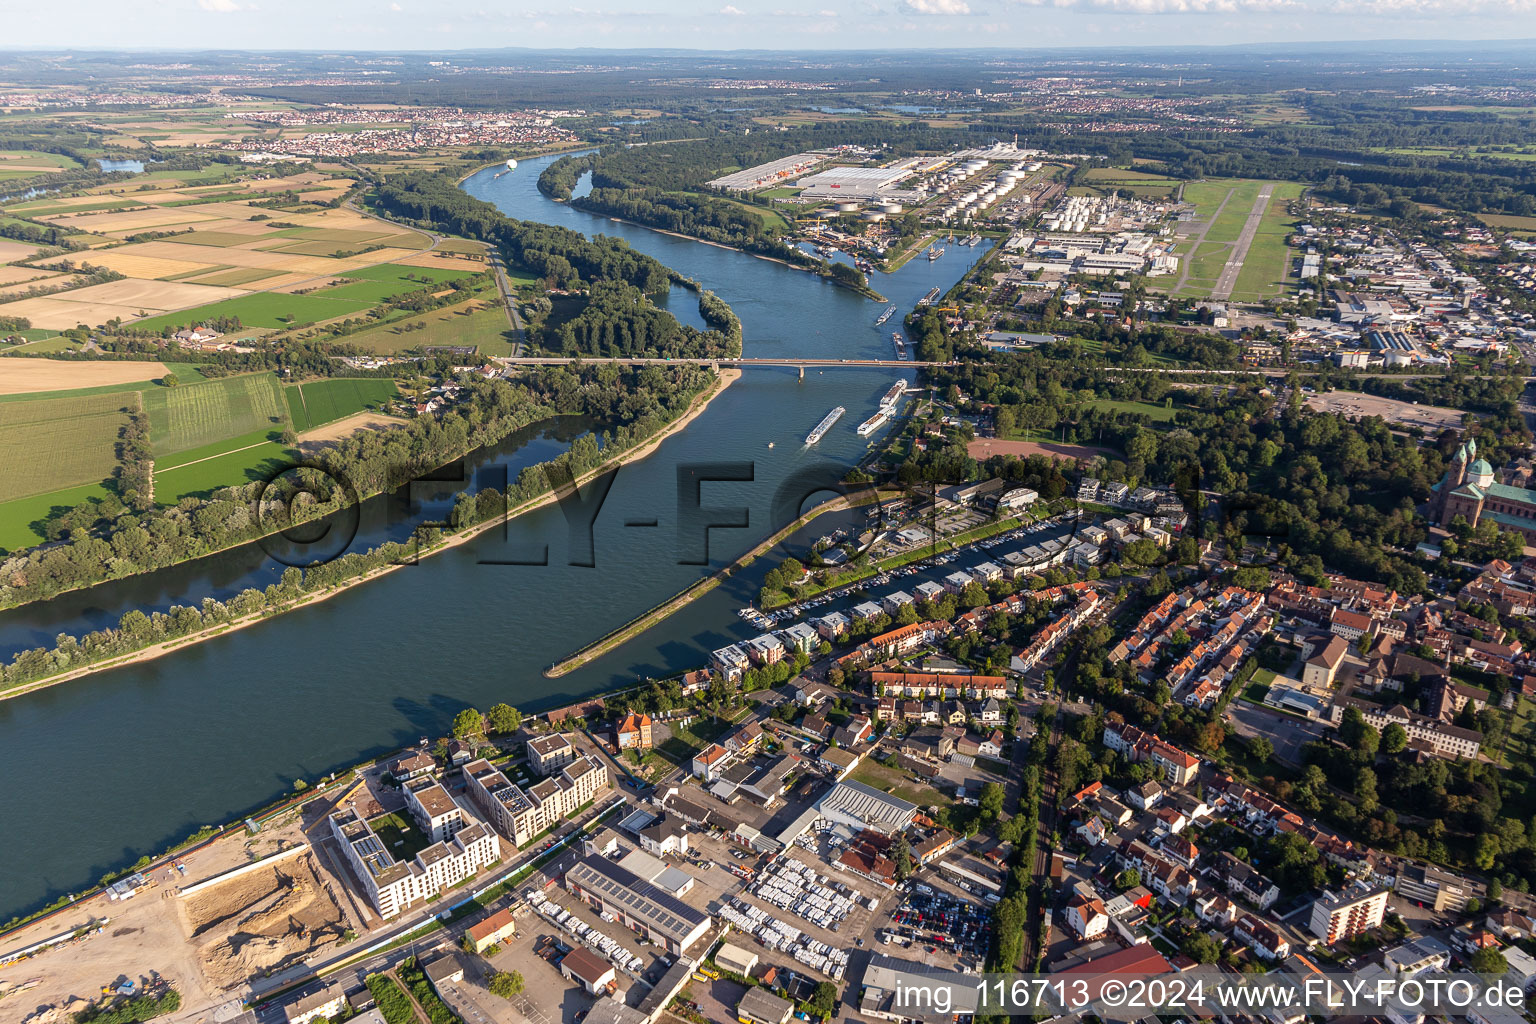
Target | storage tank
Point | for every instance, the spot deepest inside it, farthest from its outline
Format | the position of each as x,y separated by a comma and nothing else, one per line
873,216
846,206
890,208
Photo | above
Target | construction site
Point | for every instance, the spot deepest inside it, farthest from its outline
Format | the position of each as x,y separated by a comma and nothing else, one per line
217,920
263,921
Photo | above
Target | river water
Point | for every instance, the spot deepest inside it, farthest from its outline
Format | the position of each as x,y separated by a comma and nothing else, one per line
104,769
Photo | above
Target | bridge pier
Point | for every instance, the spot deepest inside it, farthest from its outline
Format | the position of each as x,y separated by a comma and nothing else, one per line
802,374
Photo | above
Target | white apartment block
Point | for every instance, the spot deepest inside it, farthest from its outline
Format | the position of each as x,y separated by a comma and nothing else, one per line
548,754
433,809
390,885
520,814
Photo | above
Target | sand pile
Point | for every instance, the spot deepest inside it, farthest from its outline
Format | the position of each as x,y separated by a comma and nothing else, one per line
263,922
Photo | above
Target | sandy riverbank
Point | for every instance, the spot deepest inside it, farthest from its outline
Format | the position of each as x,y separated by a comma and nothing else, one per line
700,402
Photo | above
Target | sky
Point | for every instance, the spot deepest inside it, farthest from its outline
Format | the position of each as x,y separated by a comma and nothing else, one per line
440,25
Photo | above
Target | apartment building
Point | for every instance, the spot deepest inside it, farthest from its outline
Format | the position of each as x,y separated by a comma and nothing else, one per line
392,886
548,754
520,814
1342,916
433,809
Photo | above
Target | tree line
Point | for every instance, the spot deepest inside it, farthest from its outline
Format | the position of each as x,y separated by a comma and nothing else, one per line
196,528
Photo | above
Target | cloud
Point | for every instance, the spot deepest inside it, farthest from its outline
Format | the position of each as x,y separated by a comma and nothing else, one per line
733,11
945,7
1431,8
1174,6
221,6
396,8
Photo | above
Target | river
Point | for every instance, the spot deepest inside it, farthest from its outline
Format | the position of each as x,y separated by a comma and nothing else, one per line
101,770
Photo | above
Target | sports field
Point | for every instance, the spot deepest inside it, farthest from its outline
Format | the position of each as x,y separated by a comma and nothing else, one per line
323,401
198,414
53,443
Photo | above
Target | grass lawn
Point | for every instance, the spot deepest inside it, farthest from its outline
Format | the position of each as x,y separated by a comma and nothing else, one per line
53,443
689,739
16,516
194,415
267,309
400,837
323,401
897,783
1158,413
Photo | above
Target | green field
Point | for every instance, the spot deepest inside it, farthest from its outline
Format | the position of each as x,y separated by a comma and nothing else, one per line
194,415
1268,261
398,273
324,401
52,443
1267,268
16,516
483,324
239,465
1158,413
271,310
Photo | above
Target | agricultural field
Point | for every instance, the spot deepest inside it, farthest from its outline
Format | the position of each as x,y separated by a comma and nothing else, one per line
482,323
319,402
193,415
17,164
220,242
53,443
21,376
270,310
242,460
17,517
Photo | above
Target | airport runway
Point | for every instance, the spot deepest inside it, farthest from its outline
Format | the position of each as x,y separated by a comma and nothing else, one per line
1234,264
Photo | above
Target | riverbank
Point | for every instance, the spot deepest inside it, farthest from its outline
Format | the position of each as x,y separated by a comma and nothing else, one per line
866,291
660,613
700,402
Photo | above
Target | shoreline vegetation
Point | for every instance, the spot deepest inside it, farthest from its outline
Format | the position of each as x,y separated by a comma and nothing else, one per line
557,182
439,543
660,613
608,267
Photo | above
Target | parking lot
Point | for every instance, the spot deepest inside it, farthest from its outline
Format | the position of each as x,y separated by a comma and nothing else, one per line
822,919
942,928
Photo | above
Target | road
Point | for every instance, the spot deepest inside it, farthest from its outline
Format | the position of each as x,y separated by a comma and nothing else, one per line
505,287
1234,265
738,362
